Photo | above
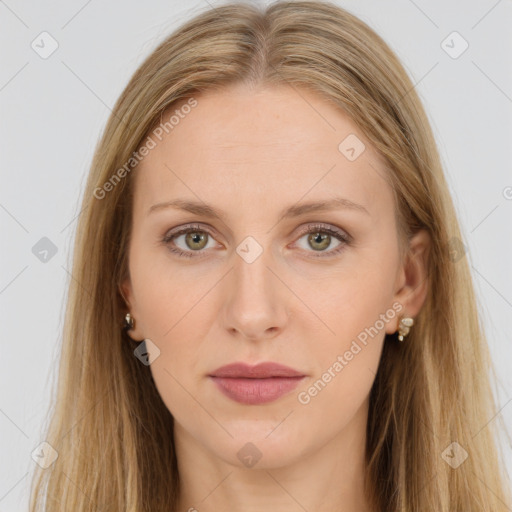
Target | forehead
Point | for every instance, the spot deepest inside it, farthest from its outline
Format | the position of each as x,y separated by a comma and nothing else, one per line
268,144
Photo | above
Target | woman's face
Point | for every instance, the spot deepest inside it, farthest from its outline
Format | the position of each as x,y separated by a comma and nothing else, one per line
252,285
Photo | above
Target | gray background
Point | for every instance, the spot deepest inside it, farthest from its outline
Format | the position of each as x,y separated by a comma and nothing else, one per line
53,111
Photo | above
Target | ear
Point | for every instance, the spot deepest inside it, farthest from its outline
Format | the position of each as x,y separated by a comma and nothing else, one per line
412,279
125,288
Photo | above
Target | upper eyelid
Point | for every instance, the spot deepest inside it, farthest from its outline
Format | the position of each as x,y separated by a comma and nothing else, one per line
303,230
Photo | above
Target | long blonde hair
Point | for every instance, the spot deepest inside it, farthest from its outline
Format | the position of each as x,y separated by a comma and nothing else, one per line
112,431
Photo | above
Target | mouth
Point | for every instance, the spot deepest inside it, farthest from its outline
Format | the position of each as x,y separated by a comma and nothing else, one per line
253,385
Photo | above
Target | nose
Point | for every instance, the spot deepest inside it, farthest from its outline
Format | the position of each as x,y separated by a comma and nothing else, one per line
256,305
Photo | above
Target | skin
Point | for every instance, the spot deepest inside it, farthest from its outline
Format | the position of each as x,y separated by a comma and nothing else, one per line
251,153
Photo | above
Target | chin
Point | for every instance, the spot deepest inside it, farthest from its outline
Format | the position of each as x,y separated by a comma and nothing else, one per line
258,445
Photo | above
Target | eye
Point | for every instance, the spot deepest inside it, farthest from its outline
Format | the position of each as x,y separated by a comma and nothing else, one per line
319,237
195,238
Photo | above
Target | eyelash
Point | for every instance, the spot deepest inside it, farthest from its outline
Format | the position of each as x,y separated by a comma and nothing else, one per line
316,228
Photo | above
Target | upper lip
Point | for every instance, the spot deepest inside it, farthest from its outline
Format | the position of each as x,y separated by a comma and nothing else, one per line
259,371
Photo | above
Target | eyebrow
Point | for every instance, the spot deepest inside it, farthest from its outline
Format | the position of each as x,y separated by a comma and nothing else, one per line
205,210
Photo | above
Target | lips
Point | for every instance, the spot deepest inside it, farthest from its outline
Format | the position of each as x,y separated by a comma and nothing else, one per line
258,384
260,371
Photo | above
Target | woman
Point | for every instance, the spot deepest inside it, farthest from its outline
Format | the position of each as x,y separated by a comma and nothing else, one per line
269,310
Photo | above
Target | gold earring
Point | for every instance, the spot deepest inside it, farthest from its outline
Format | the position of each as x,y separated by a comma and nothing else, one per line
129,322
404,327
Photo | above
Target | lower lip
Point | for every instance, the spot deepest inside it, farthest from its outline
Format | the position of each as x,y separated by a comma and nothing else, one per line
256,391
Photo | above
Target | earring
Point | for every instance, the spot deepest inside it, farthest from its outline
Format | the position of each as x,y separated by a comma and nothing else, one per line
129,322
404,327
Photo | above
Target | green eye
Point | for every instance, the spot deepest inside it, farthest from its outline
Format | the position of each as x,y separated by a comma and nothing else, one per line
196,240
319,239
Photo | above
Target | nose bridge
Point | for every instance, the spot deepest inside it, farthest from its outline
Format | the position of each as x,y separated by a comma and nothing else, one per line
253,279
256,302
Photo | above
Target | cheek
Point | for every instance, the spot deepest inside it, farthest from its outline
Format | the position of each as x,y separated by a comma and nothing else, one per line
177,308
347,359
347,302
354,307
166,291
